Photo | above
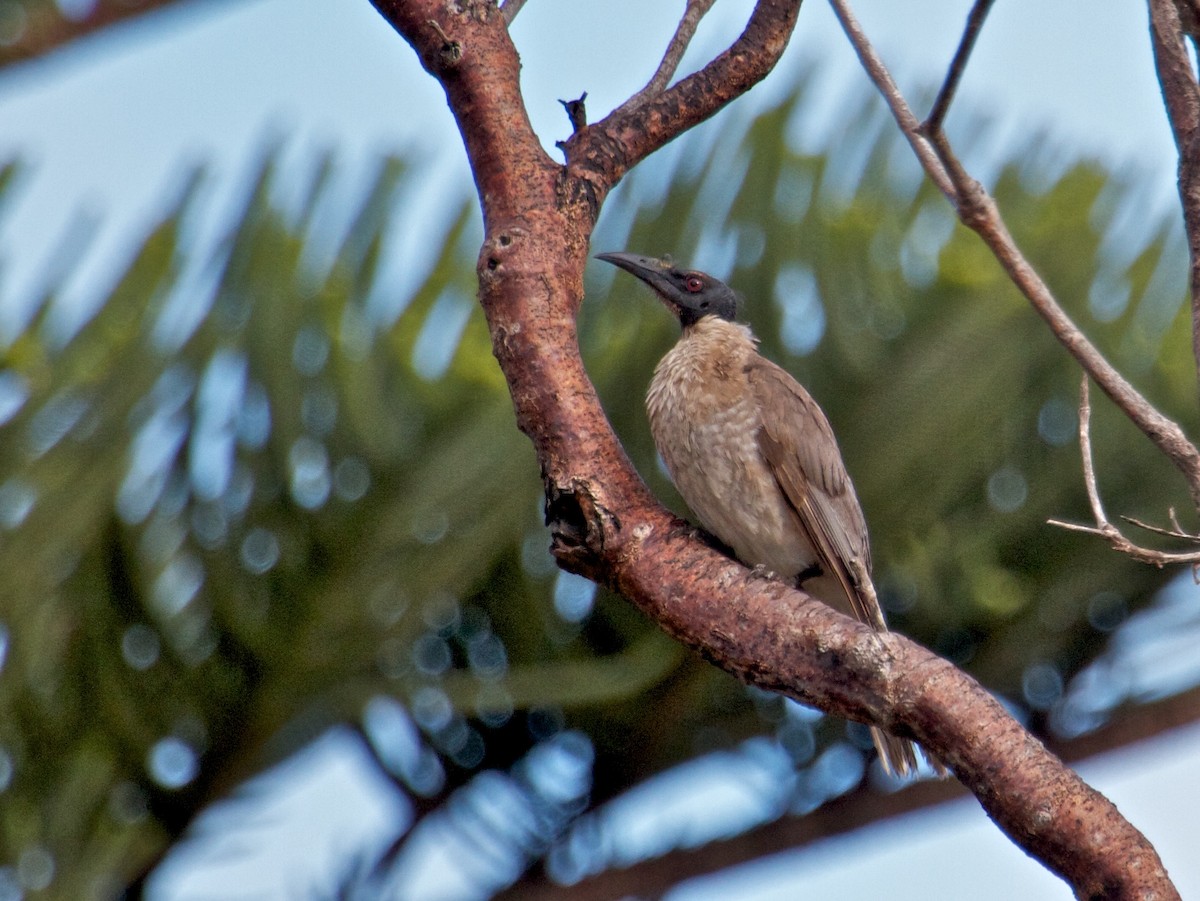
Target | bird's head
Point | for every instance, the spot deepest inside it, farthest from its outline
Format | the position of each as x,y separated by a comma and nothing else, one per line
691,295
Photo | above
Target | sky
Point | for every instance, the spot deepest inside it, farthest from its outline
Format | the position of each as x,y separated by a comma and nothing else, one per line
108,128
954,850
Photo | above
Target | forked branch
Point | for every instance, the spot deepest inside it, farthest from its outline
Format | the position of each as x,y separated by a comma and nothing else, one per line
958,66
1103,525
604,152
978,211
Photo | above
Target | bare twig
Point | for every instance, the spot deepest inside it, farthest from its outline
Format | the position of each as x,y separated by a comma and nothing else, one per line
933,122
1176,530
602,153
510,10
1103,527
978,211
910,127
679,43
1085,449
1180,93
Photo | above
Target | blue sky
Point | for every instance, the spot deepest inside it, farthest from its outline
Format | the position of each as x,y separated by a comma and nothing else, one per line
108,128
110,125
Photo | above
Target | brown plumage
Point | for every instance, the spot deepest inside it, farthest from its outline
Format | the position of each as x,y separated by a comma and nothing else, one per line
756,459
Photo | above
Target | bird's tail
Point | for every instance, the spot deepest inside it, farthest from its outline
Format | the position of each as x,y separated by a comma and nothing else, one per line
899,755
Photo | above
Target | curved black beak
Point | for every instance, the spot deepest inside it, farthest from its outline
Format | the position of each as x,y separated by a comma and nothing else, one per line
652,271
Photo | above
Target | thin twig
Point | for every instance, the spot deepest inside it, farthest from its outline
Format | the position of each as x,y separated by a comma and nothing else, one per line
1103,527
1175,74
679,43
1085,450
910,127
933,122
1123,545
510,10
602,153
978,211
1175,532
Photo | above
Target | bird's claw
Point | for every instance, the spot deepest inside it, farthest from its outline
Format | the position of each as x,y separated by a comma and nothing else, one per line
761,572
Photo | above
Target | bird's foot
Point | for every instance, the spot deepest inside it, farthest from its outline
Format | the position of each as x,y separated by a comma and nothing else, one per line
761,572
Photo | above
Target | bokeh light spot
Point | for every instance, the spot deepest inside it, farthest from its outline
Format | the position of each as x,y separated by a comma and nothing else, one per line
172,763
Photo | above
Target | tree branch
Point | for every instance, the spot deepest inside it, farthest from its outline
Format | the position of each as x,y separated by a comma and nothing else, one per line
1176,530
679,43
510,8
602,154
1104,527
879,75
40,28
958,66
978,211
1181,97
605,523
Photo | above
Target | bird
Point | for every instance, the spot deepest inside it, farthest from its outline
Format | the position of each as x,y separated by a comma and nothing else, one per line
756,460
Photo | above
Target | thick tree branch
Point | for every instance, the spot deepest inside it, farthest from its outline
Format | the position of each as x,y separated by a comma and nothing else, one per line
978,211
1181,97
538,218
781,640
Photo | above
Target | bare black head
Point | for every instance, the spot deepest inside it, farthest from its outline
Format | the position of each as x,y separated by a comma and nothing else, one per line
691,295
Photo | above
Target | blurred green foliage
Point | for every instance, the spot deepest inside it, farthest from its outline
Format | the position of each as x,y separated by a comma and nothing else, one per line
274,478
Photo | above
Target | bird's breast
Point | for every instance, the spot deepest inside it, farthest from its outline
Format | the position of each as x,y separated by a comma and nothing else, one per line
705,422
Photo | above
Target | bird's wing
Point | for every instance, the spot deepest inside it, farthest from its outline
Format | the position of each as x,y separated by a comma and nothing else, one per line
798,445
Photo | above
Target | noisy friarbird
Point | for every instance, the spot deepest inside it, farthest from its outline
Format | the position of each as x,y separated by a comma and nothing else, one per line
755,458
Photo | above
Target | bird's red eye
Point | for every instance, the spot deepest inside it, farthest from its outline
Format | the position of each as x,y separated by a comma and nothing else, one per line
694,284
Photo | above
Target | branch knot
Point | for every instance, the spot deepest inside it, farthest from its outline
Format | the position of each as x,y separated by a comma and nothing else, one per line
578,523
450,53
